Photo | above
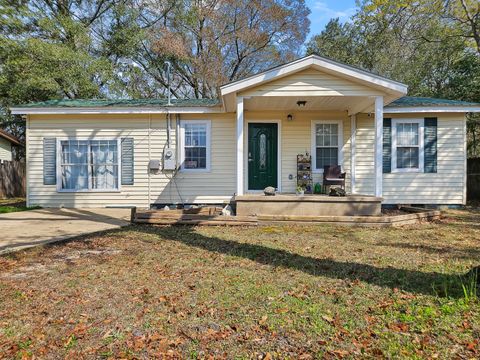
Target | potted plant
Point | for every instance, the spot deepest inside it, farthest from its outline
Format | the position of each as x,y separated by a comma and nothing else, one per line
300,190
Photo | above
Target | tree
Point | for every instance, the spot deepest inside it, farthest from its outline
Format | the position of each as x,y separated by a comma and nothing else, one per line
213,42
428,45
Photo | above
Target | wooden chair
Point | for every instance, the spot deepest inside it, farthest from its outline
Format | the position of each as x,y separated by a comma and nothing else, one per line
332,175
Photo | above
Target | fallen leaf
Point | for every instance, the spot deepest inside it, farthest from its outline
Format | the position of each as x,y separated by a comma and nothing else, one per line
328,319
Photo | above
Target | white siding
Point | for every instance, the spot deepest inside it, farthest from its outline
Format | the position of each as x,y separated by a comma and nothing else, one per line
5,150
311,82
447,186
215,186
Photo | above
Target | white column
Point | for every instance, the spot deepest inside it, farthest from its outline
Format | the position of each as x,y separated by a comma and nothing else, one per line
240,116
353,145
378,145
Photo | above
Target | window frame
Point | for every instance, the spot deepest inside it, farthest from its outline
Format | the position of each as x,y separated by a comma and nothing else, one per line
90,189
207,144
313,149
421,146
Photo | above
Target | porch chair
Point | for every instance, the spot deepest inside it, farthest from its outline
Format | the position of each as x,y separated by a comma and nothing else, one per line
332,175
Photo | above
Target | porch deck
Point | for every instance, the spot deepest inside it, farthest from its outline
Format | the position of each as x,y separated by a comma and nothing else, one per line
307,205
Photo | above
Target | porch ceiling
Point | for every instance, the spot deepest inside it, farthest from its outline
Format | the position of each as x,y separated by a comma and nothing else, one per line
351,104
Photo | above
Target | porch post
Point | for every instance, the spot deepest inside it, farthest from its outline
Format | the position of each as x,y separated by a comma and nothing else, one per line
378,145
240,116
353,146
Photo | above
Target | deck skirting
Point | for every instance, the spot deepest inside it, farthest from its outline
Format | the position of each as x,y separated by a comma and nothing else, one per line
308,205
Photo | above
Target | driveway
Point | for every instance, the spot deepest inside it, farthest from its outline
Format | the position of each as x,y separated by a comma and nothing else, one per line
23,229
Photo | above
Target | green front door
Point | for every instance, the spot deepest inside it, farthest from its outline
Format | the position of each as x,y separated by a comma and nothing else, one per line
262,155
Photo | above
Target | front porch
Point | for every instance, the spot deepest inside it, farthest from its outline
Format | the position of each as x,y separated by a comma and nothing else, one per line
310,94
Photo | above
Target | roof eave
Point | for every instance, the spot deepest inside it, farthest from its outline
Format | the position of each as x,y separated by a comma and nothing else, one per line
116,110
12,139
431,109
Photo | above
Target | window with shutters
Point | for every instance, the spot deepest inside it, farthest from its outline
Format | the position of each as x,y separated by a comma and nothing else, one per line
407,145
327,143
195,145
88,165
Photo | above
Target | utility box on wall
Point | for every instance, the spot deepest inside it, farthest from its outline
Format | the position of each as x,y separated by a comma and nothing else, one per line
169,160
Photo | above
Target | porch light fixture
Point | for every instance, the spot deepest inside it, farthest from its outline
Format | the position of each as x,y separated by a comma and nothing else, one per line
301,103
289,117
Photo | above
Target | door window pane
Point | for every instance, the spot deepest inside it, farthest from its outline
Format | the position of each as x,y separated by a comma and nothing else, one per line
263,151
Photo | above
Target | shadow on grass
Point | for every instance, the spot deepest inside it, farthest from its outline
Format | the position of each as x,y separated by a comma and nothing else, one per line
427,283
463,253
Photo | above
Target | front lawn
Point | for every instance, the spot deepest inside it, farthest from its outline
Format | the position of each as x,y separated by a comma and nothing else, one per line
267,292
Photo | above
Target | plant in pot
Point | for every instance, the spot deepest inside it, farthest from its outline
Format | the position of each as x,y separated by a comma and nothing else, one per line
300,190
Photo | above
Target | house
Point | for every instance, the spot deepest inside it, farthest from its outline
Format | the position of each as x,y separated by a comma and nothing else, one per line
7,142
96,153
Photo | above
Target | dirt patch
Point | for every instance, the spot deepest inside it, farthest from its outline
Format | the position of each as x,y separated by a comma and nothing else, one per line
48,265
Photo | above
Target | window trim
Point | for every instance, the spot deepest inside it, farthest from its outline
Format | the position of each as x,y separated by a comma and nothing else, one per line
89,190
208,145
421,148
313,149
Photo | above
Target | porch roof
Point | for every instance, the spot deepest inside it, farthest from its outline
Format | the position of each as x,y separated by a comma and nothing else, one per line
9,137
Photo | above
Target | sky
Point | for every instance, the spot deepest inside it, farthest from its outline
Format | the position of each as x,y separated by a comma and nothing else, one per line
324,10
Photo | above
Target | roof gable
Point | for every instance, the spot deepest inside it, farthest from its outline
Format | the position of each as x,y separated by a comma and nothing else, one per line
311,82
326,66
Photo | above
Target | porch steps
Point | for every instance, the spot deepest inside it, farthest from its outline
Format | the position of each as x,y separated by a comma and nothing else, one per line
180,217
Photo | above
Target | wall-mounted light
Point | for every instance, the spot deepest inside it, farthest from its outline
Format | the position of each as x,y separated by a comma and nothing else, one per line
289,117
301,103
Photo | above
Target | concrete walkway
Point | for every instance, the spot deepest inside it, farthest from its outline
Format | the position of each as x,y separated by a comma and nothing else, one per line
20,230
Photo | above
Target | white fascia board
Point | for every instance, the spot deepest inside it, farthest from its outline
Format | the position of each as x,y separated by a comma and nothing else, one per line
317,61
437,109
268,75
118,110
360,75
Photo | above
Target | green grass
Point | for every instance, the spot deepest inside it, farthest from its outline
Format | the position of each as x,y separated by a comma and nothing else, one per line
14,205
288,291
9,209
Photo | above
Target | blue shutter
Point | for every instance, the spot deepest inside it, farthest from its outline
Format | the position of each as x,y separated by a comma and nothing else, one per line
387,145
430,145
49,161
127,161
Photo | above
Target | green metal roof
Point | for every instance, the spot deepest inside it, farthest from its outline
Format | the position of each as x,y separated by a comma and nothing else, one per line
413,101
406,101
86,103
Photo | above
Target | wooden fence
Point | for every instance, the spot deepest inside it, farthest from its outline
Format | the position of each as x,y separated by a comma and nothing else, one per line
12,179
473,179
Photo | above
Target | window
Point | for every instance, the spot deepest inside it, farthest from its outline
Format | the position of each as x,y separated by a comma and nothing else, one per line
407,145
88,165
195,149
326,144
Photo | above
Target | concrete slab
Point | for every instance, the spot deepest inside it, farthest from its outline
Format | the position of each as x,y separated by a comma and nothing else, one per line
25,229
